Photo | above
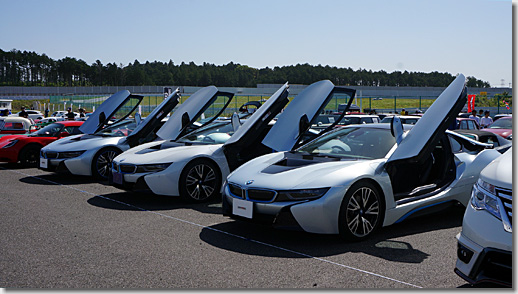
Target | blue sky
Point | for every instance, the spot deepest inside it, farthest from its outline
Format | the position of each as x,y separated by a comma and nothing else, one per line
473,37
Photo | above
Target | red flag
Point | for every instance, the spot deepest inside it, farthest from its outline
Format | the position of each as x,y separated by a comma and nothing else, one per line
471,103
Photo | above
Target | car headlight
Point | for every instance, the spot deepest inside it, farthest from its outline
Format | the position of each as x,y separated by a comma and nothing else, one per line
70,154
483,197
10,144
302,194
147,168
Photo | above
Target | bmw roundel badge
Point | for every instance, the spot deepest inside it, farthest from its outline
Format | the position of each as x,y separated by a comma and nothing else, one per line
249,182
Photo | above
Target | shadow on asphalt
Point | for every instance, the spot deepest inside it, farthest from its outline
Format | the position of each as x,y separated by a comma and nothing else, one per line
63,179
17,166
381,244
482,285
151,202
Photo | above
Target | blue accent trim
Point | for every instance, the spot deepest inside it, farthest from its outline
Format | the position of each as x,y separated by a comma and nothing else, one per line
418,209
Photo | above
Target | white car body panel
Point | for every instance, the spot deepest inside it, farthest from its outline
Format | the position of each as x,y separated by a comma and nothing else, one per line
32,114
82,165
243,129
108,108
427,125
321,215
283,136
483,232
166,182
26,122
191,107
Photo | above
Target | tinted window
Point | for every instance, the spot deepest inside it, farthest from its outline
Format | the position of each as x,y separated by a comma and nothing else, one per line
13,126
456,146
502,123
349,120
72,130
51,130
356,143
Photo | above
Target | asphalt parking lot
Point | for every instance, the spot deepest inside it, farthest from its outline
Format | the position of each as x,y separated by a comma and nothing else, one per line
63,231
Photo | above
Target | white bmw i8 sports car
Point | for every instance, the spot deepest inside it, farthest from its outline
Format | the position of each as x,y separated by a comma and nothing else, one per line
196,165
355,179
91,153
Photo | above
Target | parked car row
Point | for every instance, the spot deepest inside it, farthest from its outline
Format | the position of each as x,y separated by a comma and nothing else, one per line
293,167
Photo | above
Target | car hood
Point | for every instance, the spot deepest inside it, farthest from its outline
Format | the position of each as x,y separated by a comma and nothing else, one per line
82,142
12,137
500,171
163,152
502,132
285,171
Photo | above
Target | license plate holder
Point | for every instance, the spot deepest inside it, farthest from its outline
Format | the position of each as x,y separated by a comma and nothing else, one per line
117,178
44,162
242,208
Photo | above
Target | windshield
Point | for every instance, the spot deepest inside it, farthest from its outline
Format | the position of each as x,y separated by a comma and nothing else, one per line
357,143
216,133
502,124
51,130
349,120
404,120
120,129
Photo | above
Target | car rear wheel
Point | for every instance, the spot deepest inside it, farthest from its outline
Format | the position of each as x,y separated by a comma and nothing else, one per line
362,212
102,161
30,156
200,181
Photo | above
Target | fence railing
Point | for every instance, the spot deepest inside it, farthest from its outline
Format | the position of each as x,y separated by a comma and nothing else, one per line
391,104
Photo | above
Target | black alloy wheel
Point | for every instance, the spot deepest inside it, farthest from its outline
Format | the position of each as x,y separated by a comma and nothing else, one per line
362,212
102,162
30,156
200,181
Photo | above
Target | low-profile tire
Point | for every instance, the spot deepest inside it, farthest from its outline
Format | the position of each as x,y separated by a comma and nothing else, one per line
362,211
30,155
102,162
200,181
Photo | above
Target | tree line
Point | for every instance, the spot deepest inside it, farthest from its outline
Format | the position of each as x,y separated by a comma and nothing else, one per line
24,68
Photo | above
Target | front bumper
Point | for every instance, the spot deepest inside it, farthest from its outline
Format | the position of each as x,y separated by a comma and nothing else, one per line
138,186
274,214
484,251
8,155
80,165
164,182
55,165
318,216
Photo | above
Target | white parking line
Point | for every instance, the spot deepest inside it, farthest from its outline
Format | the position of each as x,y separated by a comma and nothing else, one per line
219,231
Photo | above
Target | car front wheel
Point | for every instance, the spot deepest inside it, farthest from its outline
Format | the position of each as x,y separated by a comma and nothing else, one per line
362,212
30,156
102,161
200,181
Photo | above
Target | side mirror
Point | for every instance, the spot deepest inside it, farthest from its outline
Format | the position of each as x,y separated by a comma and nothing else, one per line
138,118
64,134
236,123
303,125
396,128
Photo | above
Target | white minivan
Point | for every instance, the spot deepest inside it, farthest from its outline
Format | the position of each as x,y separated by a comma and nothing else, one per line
485,244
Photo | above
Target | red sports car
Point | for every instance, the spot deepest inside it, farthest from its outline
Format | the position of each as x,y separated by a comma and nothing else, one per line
26,148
